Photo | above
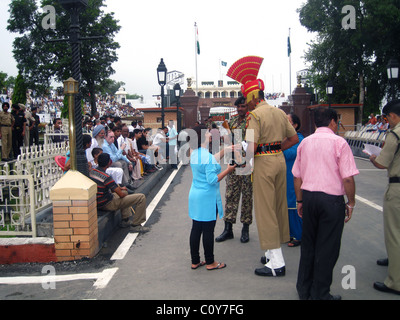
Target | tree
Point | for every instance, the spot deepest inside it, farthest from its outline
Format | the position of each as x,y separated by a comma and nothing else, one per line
19,94
354,58
42,61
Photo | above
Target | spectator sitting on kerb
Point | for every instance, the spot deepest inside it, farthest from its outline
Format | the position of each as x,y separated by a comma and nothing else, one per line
115,173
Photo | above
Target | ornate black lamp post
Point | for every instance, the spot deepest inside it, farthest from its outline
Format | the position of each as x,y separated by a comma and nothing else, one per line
162,80
71,89
329,91
177,93
75,7
393,75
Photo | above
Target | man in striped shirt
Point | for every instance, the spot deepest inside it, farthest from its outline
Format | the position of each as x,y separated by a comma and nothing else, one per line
111,197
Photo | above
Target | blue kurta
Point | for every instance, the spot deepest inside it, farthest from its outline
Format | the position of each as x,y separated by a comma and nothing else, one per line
295,222
204,195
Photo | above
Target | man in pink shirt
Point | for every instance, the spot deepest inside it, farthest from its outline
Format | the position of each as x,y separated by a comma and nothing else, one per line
323,173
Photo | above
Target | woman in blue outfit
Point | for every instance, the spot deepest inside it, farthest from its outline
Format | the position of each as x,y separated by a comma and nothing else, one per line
295,222
204,198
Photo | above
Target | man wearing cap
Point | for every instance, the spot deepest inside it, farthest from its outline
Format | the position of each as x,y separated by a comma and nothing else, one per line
30,120
18,129
238,185
6,123
389,159
34,129
268,133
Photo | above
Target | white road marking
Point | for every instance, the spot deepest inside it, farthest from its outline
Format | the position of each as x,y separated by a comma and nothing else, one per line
101,277
370,203
105,278
124,247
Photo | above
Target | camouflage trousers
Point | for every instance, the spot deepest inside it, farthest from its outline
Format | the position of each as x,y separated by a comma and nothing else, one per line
235,186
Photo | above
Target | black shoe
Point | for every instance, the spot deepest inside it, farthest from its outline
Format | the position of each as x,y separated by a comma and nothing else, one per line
267,272
226,234
382,287
383,262
245,233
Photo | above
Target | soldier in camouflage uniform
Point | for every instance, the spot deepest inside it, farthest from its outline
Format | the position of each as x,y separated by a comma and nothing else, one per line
237,185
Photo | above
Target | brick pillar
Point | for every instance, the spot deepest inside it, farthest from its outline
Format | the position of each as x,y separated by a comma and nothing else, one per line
75,217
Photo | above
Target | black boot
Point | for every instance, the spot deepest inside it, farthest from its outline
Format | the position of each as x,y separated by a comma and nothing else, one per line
245,233
226,234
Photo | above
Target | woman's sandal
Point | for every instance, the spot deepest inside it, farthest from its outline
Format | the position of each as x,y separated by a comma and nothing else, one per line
220,265
294,243
195,266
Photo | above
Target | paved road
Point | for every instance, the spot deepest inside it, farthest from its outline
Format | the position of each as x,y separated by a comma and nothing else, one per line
157,265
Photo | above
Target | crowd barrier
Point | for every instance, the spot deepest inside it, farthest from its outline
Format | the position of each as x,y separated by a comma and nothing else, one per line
365,135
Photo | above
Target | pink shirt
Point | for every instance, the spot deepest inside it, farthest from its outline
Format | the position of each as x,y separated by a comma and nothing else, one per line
323,160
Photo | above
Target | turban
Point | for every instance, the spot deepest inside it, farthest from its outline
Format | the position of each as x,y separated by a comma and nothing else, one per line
97,130
245,71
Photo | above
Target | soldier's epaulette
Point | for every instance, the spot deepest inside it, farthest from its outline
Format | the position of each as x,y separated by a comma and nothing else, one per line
249,117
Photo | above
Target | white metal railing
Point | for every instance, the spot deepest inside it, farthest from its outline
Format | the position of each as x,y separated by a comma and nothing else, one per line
49,133
25,187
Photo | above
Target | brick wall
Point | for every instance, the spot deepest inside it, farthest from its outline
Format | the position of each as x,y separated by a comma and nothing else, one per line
75,228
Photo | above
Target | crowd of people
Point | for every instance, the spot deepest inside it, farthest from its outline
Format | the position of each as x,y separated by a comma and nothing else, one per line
377,124
118,154
19,128
303,191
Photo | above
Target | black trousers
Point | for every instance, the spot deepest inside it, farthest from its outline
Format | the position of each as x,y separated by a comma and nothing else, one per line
207,230
323,221
17,142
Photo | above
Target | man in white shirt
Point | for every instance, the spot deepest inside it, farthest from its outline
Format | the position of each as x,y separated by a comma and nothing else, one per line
160,140
173,136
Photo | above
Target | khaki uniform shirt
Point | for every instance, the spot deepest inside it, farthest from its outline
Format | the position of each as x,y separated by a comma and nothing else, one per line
388,156
269,124
6,118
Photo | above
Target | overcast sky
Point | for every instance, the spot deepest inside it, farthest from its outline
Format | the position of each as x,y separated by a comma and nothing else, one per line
228,30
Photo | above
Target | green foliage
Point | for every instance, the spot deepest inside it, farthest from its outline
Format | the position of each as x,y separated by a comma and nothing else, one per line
354,59
19,94
41,61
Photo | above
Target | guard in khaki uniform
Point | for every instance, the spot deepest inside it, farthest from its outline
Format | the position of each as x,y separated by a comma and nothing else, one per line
237,184
6,123
268,132
389,159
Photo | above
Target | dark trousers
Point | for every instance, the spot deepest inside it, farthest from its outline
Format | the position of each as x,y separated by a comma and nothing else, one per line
17,142
34,137
205,228
323,221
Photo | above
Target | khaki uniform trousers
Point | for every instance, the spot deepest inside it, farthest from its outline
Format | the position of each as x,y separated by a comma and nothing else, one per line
270,203
391,220
6,142
125,205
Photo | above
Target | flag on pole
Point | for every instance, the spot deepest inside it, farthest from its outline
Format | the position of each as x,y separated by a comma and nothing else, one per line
289,48
197,40
223,63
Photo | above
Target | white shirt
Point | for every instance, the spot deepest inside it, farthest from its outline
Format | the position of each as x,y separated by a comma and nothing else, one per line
159,139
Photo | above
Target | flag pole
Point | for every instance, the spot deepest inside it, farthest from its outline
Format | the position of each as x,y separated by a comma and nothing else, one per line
195,54
290,64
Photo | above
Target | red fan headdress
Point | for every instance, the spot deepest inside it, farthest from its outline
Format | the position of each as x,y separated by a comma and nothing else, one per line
245,71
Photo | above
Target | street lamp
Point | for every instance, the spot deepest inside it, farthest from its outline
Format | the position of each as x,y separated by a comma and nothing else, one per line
393,75
162,80
71,89
74,7
177,92
329,91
